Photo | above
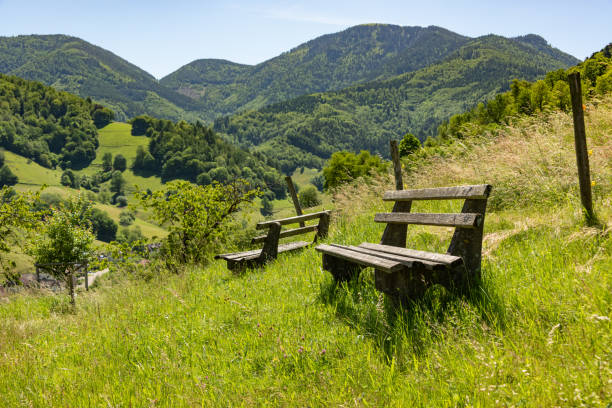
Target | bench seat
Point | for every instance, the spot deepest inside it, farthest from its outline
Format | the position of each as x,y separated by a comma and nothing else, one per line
249,255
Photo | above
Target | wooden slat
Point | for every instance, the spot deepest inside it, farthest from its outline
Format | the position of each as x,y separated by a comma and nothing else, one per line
360,258
407,261
287,233
292,220
247,255
235,255
461,220
445,259
292,246
480,191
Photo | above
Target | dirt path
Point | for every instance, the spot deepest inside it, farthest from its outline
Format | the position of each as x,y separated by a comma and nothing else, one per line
91,277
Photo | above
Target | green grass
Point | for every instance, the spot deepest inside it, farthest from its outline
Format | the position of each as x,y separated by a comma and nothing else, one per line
31,174
537,333
116,138
284,335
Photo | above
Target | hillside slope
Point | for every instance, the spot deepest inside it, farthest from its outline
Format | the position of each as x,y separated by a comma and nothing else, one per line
73,65
308,129
537,333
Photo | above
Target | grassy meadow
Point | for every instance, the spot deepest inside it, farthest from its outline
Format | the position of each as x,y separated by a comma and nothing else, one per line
537,333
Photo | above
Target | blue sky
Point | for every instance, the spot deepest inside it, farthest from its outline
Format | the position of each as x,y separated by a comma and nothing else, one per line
161,36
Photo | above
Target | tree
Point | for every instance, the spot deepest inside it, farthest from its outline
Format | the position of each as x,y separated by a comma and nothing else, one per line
344,167
195,216
7,178
66,240
409,144
103,226
139,125
102,117
121,201
126,218
120,163
266,207
117,183
16,214
107,162
309,197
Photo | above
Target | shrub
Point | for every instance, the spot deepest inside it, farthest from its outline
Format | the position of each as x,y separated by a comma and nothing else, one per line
309,197
126,218
195,216
266,207
409,144
120,163
121,201
103,226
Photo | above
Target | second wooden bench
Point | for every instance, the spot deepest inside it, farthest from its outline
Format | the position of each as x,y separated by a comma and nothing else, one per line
241,260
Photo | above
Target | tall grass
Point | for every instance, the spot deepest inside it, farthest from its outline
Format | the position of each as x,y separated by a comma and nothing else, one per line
537,333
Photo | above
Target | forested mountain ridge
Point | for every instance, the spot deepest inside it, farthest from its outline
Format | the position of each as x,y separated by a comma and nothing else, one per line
330,62
76,66
308,129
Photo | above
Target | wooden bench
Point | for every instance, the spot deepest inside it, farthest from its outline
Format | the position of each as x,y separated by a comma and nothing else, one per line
271,248
406,273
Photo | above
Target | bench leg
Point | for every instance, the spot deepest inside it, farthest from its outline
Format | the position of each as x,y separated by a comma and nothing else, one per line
340,269
402,285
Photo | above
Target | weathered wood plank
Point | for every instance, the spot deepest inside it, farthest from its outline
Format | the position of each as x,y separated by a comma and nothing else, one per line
248,255
292,220
360,258
406,260
460,220
480,191
445,259
287,233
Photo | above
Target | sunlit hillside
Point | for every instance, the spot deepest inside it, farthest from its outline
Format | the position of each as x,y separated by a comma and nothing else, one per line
537,333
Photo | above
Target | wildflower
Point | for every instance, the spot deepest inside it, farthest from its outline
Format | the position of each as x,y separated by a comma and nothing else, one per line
323,352
593,183
301,349
590,152
583,107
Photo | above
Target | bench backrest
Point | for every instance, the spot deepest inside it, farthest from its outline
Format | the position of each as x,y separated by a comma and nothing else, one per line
469,224
271,239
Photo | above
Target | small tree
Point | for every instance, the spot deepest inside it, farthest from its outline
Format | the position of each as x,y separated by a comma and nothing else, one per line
409,144
67,240
195,216
266,207
126,218
7,178
117,183
120,163
309,197
107,162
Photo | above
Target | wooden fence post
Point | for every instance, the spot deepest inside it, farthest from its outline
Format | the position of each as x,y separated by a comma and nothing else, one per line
397,166
582,155
294,197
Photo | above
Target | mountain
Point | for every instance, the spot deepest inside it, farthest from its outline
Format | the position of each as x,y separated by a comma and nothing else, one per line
73,65
308,129
330,62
